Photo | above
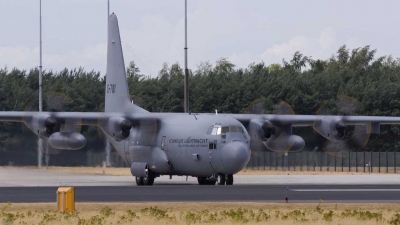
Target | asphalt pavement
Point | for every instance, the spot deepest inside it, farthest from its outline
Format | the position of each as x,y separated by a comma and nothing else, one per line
197,193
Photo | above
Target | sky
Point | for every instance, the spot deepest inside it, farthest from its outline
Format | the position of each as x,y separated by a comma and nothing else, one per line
152,32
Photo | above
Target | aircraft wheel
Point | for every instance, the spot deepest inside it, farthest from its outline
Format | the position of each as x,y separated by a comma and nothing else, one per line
221,179
229,179
139,181
149,180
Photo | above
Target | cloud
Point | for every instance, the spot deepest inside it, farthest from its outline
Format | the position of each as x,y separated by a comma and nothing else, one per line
21,57
277,52
158,40
318,47
243,60
327,38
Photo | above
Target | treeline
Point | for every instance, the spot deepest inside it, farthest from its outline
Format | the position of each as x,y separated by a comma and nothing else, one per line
302,82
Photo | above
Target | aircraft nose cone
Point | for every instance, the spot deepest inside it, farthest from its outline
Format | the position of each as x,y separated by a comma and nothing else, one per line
235,155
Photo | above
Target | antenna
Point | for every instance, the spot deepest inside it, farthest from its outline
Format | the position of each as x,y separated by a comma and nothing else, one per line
40,141
186,65
40,65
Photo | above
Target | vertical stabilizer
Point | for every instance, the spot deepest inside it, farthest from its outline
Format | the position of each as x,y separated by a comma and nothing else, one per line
117,93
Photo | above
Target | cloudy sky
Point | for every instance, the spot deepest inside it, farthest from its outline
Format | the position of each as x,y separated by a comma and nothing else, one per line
152,32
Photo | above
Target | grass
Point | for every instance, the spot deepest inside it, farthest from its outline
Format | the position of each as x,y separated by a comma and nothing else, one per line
126,171
202,213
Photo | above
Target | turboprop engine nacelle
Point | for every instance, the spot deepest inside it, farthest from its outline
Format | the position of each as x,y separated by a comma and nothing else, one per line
118,128
285,143
42,125
331,128
67,140
260,129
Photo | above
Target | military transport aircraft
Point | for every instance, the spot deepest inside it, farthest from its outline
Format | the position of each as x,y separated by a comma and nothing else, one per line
211,147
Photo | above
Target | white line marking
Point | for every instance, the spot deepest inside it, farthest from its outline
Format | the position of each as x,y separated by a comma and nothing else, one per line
345,190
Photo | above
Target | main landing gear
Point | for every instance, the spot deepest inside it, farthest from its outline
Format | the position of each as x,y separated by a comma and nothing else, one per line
147,181
205,181
220,179
223,179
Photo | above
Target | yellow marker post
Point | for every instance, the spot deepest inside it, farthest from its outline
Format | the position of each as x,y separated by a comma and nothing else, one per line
66,199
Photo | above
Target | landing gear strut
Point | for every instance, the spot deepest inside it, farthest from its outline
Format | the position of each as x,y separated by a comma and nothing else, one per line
204,181
220,179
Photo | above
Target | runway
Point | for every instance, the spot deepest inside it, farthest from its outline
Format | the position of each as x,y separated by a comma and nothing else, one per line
32,185
196,193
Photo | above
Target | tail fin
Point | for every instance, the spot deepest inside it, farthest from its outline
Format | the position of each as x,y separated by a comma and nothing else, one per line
117,92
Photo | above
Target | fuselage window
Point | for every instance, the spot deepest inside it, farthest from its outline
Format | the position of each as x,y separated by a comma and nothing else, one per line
212,144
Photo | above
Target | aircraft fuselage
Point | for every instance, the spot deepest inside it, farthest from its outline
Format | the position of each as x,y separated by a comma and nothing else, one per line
183,144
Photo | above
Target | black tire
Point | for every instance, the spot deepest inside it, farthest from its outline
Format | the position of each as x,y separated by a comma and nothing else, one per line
149,180
221,179
201,180
229,179
139,181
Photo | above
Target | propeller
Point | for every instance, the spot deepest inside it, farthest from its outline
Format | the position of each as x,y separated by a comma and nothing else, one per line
348,138
280,108
134,100
52,102
126,126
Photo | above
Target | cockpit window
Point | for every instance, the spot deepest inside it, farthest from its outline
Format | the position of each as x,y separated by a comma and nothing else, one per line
234,129
214,130
244,132
224,130
209,130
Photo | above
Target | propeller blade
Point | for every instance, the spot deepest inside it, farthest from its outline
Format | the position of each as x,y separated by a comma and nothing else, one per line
351,137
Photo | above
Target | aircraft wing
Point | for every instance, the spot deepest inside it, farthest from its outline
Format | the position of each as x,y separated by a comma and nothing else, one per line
310,120
93,118
81,118
275,131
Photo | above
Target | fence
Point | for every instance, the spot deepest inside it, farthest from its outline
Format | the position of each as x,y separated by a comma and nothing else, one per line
377,162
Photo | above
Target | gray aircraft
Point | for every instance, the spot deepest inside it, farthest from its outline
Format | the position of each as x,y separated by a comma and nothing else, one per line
211,147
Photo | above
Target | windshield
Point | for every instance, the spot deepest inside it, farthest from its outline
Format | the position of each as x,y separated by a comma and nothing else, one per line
214,130
218,130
